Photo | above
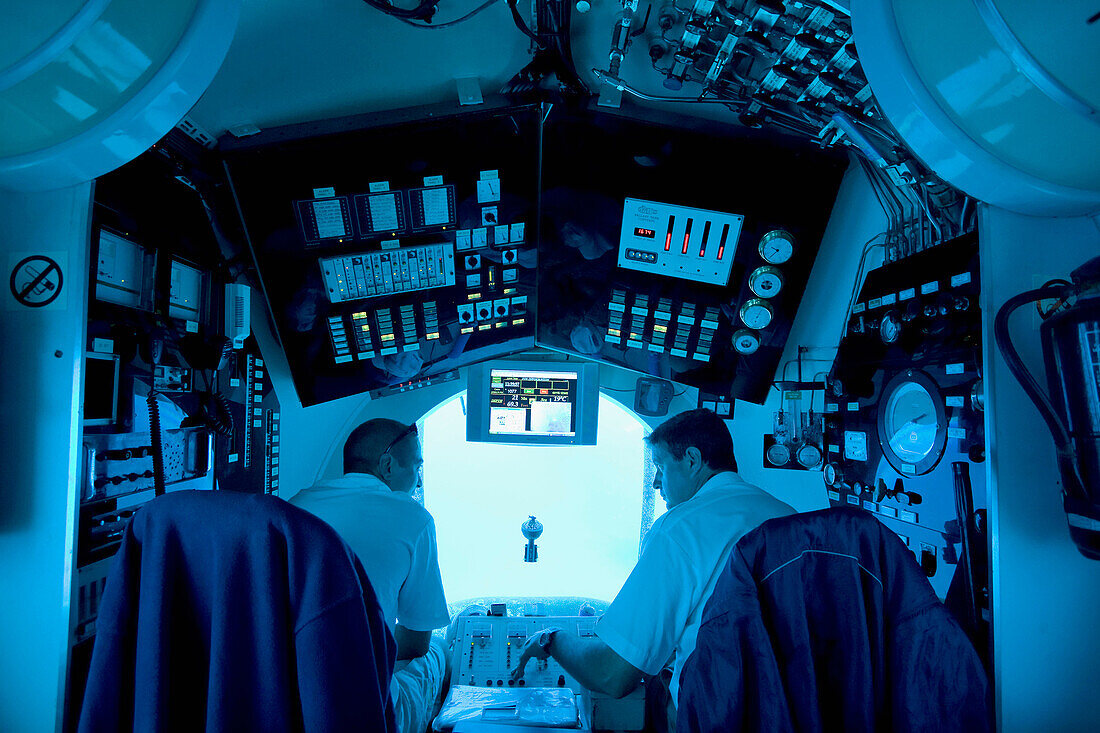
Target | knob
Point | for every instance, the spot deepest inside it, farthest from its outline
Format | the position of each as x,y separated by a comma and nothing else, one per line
929,311
911,312
561,680
523,683
483,312
960,303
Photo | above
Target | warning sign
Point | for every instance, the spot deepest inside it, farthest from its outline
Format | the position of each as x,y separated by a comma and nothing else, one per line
36,281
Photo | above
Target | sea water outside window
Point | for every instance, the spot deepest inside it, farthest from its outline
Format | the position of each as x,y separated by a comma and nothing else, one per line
593,501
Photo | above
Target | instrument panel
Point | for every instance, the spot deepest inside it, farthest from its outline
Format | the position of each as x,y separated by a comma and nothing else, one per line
487,648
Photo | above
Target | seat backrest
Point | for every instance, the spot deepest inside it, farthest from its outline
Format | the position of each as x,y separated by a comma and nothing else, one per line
227,611
825,621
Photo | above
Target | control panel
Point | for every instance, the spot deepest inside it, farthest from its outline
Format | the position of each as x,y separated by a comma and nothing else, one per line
678,241
487,649
649,265
403,270
904,406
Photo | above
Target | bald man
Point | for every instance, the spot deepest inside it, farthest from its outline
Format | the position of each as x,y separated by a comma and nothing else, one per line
371,507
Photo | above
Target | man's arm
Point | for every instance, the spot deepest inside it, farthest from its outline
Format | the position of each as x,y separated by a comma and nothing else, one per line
590,661
411,644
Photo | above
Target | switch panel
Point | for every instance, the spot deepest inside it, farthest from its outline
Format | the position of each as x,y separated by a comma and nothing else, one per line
678,241
487,648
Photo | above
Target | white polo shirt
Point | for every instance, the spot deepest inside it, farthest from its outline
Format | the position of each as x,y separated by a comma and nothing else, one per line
656,615
394,538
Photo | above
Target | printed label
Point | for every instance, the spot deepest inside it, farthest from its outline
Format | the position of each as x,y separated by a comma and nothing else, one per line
907,294
908,469
955,368
433,180
961,279
908,516
874,303
834,495
955,401
889,299
930,287
380,186
959,433
860,307
324,193
853,407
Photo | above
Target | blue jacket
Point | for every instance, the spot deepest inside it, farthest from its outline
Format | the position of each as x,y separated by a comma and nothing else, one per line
237,612
824,621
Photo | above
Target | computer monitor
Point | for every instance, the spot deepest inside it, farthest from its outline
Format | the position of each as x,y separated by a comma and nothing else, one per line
532,402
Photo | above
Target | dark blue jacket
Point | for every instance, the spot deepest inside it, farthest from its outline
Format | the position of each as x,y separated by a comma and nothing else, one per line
236,612
824,621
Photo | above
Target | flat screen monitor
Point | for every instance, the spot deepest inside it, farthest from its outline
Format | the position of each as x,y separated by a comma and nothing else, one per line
532,402
100,389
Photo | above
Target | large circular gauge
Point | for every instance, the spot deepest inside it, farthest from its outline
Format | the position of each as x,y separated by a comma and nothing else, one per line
779,454
889,329
776,247
832,474
746,342
766,281
809,456
757,313
912,423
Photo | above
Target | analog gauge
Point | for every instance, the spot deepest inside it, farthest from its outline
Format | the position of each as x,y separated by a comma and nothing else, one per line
809,456
889,330
776,247
912,424
766,281
746,341
779,454
855,445
757,313
833,475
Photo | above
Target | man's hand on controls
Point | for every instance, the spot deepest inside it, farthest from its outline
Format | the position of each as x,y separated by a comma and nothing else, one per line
537,646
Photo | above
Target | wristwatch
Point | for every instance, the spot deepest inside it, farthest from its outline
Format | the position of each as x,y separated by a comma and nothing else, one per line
545,639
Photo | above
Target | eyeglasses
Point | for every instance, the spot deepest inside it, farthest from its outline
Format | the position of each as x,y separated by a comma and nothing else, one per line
411,430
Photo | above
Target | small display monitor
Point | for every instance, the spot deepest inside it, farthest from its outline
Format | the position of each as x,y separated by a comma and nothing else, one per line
433,208
380,214
533,402
185,292
324,220
100,388
124,272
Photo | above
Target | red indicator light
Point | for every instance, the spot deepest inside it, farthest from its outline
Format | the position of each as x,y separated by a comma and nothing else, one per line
668,235
706,236
687,236
647,233
722,242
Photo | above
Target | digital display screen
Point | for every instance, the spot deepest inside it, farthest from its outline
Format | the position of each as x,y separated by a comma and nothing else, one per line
647,233
531,402
432,207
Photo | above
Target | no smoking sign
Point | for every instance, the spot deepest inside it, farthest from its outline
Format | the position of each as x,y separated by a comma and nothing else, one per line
36,281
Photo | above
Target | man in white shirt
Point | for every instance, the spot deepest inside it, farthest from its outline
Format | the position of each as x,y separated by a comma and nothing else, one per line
370,506
655,618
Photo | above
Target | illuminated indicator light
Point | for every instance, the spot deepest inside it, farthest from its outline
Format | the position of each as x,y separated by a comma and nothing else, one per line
473,296
468,329
387,337
485,327
519,321
668,236
722,241
706,235
432,335
614,332
509,291
687,236
659,329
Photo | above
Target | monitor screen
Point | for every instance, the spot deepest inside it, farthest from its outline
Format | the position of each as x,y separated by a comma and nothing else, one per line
100,389
552,403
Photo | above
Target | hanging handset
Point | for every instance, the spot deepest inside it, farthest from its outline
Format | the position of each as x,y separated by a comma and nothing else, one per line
1071,351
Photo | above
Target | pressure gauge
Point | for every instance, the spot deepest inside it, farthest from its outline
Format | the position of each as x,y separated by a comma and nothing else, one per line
776,247
889,330
832,474
779,454
757,313
766,281
855,445
809,456
746,341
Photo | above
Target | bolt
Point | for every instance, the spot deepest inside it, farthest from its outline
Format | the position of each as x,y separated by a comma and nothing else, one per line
58,354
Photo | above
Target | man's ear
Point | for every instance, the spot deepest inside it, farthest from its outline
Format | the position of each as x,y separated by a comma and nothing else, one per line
385,466
694,456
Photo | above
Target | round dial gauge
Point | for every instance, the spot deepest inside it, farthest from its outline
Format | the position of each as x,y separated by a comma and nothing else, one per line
833,474
889,330
912,423
766,281
746,341
809,456
757,313
779,454
776,247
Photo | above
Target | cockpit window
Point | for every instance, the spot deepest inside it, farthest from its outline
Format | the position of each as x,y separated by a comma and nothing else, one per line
594,503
